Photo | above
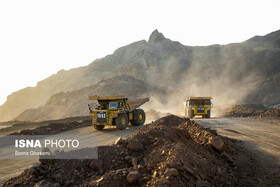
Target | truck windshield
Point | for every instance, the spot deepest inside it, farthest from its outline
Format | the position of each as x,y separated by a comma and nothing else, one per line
207,102
195,103
199,102
113,105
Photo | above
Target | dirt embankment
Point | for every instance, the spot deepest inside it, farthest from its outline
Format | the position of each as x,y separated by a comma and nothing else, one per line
46,127
171,151
252,111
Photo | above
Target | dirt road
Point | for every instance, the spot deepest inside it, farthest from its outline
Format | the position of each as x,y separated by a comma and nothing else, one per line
13,167
261,137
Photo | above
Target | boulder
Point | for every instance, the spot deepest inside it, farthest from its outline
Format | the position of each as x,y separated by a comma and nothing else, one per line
96,165
133,176
57,176
128,158
134,145
173,171
218,143
134,161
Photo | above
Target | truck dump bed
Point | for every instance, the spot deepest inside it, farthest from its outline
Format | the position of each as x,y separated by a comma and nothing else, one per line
133,104
200,98
103,98
137,102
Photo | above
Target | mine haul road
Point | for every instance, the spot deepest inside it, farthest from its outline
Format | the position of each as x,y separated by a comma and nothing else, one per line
260,137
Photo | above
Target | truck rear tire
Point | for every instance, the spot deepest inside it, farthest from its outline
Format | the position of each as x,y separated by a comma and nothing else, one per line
139,117
122,121
208,114
99,127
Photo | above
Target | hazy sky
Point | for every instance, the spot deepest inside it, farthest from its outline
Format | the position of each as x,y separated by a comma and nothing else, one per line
39,38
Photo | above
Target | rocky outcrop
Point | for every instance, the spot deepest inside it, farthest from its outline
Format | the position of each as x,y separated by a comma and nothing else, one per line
156,37
267,92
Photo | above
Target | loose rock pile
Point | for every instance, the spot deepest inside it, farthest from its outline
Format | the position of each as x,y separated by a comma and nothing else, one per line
171,151
244,111
271,113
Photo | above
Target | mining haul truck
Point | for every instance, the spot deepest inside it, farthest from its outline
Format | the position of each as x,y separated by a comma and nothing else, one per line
198,106
117,111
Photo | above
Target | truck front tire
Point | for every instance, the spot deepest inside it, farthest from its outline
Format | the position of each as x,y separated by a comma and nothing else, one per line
122,121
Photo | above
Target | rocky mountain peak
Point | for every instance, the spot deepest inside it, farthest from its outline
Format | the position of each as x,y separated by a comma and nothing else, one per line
156,37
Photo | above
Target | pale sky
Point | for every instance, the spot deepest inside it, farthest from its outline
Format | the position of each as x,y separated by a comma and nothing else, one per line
39,38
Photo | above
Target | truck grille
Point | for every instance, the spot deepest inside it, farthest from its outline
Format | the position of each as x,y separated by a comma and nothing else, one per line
101,117
200,110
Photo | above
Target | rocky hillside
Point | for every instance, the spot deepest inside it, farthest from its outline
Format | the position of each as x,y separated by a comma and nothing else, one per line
267,92
74,103
233,73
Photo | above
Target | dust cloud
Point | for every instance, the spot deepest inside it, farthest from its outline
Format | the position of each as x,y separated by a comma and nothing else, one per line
227,82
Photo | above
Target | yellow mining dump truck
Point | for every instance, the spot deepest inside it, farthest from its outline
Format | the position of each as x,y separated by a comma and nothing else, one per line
198,106
117,111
